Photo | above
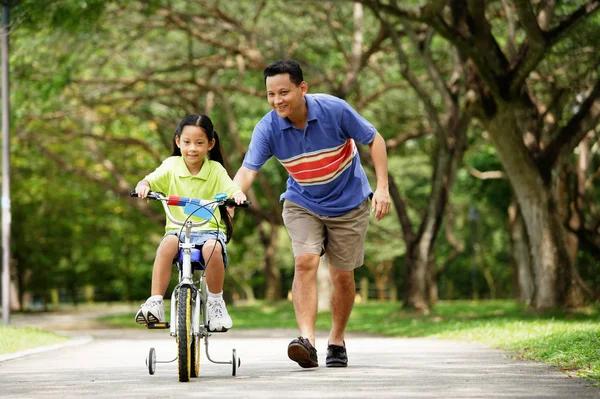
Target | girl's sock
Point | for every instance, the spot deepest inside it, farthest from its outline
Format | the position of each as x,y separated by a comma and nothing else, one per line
215,296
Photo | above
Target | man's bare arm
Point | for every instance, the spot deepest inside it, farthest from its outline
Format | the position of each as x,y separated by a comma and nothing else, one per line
381,196
244,178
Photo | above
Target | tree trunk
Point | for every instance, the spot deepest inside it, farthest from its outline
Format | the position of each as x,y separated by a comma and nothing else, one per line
19,281
382,273
420,252
555,276
521,255
416,291
432,282
571,200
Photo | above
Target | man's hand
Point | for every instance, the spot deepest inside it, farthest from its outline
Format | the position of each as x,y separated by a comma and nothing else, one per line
381,203
239,197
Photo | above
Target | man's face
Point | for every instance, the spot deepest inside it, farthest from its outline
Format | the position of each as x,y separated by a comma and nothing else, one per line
284,96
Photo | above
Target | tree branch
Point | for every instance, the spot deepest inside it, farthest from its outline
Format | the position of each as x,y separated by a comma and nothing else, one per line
408,75
457,246
434,73
356,60
528,21
495,174
533,51
577,17
401,139
568,137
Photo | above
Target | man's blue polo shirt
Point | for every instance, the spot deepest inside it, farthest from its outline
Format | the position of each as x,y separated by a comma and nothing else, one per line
326,176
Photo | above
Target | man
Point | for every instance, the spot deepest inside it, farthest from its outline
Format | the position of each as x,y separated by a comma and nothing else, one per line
326,204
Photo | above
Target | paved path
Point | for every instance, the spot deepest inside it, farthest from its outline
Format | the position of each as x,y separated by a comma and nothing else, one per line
113,365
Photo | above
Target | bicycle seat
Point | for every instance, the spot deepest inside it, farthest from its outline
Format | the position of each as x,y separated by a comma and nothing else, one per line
197,260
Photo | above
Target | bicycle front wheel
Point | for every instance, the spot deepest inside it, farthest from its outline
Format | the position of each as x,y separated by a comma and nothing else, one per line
184,327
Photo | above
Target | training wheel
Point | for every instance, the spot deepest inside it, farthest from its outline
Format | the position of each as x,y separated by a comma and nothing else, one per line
235,363
151,361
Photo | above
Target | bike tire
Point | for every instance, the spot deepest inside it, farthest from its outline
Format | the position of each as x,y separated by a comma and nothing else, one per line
184,327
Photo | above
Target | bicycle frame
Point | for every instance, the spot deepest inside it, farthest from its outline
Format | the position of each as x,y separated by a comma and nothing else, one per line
186,275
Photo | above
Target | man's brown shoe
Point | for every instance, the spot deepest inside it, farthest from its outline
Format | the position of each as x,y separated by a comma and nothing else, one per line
302,352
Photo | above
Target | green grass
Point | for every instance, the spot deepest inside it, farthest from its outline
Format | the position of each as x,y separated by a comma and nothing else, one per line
14,339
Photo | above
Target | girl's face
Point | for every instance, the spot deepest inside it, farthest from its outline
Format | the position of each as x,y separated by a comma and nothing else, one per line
194,146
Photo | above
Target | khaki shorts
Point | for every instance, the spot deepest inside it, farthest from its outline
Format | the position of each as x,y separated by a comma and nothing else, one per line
343,237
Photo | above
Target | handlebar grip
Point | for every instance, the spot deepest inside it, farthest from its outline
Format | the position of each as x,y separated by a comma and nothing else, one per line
231,202
151,195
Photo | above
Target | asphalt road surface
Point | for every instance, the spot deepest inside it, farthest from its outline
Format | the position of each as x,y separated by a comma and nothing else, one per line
111,364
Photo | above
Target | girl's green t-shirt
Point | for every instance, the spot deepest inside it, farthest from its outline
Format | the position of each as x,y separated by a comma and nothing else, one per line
172,177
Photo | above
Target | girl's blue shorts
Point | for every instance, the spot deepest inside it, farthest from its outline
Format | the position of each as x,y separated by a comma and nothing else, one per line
200,237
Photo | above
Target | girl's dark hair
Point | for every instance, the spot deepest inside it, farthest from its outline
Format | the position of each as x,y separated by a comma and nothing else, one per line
285,66
204,122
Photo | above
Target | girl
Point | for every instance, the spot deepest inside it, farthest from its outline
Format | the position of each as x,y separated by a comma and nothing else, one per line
195,169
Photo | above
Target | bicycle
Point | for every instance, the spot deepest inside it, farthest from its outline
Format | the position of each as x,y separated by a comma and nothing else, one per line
189,319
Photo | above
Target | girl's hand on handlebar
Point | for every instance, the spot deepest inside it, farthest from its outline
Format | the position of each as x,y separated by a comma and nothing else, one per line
142,189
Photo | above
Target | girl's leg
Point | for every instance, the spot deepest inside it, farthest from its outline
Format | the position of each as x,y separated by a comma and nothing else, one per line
163,263
212,252
218,317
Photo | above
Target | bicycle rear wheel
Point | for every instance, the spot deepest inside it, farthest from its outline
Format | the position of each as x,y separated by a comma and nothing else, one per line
184,327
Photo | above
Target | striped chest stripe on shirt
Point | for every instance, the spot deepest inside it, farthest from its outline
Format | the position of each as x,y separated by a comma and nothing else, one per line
320,167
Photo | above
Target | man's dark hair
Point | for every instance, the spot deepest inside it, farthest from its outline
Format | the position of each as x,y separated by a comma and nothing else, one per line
285,66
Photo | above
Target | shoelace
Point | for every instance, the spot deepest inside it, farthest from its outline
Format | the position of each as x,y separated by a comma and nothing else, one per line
148,305
216,308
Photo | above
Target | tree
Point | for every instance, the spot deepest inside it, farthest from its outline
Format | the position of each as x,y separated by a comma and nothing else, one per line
507,97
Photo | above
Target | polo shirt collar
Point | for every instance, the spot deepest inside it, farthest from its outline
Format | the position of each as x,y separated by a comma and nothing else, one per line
284,123
182,171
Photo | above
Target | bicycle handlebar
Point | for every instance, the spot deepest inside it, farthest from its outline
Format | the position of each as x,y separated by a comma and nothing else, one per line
174,200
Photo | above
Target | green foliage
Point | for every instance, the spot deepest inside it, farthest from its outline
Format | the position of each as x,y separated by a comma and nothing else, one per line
72,16
98,88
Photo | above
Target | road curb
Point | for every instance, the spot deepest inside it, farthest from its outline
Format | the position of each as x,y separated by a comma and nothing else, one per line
74,341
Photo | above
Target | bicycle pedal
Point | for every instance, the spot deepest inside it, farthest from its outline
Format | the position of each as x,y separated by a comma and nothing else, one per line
218,331
152,326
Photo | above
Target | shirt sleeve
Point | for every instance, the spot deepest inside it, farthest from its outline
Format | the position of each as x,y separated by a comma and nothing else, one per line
160,178
356,127
259,150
